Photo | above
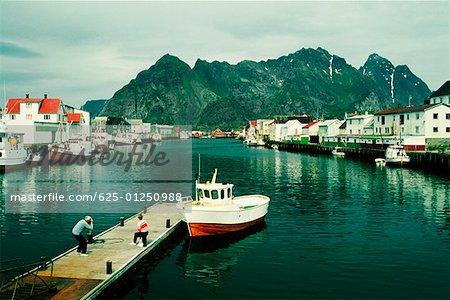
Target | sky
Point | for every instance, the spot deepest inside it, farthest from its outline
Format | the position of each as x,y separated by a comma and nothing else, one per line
88,50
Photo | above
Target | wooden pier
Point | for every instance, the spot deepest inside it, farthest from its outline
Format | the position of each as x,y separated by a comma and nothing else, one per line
432,162
85,277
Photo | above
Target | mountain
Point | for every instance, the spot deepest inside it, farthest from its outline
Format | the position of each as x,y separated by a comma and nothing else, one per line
94,107
219,94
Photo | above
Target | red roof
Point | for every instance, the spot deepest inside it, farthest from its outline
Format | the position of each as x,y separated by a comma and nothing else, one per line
47,106
253,123
310,124
74,117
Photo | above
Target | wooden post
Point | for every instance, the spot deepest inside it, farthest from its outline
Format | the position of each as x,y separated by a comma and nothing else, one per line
108,267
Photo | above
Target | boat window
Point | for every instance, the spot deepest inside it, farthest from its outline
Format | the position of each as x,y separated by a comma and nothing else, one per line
229,192
207,194
215,194
222,194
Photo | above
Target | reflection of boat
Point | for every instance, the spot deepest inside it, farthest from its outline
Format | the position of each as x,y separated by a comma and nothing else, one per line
338,151
12,152
396,155
216,211
208,260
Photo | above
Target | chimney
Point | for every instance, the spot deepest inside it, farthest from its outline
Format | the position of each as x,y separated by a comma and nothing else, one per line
27,96
45,96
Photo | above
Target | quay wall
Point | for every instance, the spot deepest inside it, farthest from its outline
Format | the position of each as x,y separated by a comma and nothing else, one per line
432,162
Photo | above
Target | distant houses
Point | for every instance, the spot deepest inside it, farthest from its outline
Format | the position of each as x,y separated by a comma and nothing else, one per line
40,118
418,127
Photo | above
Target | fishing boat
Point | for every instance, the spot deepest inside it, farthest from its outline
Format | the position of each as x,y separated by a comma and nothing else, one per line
338,151
70,150
253,142
12,152
396,155
216,211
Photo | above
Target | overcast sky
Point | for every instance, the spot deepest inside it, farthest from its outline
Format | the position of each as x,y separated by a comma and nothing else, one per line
89,50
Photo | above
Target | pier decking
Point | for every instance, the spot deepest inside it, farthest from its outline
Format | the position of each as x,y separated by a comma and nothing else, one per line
85,277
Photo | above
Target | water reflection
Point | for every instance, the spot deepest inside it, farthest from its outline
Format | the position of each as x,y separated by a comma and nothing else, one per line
209,260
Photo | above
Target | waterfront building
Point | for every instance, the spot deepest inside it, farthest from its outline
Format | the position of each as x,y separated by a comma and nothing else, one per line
441,95
275,132
39,118
291,128
311,131
355,123
428,124
329,128
263,127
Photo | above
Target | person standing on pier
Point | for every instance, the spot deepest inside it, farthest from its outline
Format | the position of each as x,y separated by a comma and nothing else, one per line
86,223
142,227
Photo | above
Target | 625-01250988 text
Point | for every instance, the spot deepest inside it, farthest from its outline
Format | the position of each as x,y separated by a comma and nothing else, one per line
102,197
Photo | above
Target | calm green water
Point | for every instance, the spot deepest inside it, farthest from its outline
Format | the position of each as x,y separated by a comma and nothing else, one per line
336,228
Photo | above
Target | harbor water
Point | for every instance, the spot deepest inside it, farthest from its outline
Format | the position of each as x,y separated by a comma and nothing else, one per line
336,228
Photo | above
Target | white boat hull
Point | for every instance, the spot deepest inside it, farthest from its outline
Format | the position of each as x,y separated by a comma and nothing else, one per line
246,211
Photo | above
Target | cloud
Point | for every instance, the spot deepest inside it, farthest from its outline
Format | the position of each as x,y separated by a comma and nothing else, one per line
97,47
13,50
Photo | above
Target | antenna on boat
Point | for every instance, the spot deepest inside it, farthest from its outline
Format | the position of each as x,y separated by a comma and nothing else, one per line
213,180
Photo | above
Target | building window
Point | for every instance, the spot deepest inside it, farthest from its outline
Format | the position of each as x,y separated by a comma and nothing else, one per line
403,130
407,117
12,117
386,130
382,120
29,116
447,116
378,119
435,129
402,119
417,129
359,131
46,117
28,105
350,131
350,122
435,116
417,116
447,129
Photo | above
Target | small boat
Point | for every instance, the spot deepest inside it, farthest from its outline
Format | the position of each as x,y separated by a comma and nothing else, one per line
34,158
216,211
380,162
396,155
252,142
70,151
275,147
12,152
338,151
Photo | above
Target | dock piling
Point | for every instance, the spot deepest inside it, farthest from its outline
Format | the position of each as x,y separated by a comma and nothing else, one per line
43,260
108,267
122,221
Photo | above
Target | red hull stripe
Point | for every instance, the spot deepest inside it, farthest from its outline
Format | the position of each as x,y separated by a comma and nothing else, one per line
205,229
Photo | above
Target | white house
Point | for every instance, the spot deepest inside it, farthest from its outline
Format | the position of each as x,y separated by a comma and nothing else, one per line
329,128
355,123
312,128
429,121
291,128
263,127
275,132
39,118
441,95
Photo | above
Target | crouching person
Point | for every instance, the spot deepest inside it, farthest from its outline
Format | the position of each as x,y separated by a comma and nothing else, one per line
86,223
142,227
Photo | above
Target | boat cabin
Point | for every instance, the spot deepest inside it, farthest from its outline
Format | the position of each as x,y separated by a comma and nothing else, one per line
213,192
